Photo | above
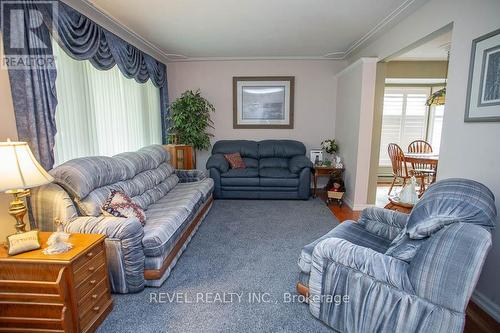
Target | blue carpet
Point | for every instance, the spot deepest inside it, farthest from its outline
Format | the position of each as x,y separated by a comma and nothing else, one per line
242,249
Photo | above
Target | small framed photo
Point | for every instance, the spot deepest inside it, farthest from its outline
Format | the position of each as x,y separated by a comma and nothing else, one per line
263,101
483,91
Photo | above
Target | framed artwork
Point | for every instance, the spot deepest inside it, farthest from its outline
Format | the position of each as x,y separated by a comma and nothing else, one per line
263,101
483,91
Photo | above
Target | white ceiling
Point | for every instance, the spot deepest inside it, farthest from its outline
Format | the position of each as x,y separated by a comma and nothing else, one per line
435,49
212,29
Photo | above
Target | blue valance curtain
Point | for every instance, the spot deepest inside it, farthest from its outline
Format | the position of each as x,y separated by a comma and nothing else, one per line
82,39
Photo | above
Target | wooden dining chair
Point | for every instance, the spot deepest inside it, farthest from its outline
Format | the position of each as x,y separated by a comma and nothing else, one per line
422,171
398,162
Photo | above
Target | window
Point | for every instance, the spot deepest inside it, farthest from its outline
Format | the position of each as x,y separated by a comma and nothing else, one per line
405,118
102,112
435,124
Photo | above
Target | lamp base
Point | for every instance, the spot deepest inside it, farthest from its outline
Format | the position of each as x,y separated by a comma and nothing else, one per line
17,209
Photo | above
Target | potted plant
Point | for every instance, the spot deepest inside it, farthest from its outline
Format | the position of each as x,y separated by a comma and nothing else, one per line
189,118
330,146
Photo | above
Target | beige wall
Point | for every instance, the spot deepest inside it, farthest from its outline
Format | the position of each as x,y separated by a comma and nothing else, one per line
7,130
315,88
416,69
468,150
353,127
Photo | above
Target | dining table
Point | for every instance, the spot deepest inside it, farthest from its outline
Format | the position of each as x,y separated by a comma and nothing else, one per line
424,158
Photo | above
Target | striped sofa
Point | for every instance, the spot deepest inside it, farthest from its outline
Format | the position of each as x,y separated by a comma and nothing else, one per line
402,273
175,202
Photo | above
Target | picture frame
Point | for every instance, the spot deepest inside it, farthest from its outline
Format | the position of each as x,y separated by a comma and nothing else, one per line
483,88
263,102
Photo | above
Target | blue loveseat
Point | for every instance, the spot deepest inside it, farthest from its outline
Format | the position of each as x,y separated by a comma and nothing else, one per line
275,169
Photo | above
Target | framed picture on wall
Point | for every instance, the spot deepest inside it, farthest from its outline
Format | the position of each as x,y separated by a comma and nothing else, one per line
263,101
483,91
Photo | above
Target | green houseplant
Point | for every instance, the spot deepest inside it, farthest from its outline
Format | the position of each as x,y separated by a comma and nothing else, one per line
189,119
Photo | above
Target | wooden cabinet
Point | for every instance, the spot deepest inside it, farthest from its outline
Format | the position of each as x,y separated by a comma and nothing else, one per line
66,292
181,156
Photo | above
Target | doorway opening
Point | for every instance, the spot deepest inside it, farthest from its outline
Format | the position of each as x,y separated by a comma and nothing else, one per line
406,118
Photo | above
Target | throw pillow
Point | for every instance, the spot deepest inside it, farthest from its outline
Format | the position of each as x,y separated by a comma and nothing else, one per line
119,204
235,161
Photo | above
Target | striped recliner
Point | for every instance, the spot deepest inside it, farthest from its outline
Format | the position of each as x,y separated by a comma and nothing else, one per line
403,273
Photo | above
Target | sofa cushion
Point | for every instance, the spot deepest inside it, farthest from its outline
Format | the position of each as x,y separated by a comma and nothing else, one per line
234,181
241,173
349,231
251,162
81,176
273,162
166,216
279,182
161,224
145,176
204,186
276,173
281,148
144,189
246,148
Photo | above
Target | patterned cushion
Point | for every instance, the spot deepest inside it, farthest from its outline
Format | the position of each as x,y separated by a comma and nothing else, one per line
235,160
119,204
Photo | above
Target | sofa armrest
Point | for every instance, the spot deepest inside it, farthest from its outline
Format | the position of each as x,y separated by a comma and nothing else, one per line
189,176
366,261
126,264
383,222
218,162
299,162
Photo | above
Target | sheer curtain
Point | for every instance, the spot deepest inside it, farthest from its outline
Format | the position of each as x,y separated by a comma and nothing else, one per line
102,112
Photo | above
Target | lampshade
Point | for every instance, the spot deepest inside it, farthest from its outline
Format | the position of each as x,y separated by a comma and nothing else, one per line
19,169
437,98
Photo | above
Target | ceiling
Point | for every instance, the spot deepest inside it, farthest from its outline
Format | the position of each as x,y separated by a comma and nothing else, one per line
219,29
435,49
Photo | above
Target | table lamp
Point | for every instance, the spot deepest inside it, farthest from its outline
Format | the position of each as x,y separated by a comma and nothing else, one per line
19,171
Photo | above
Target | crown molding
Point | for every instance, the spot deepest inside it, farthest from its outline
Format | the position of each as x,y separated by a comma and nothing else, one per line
191,59
108,21
379,27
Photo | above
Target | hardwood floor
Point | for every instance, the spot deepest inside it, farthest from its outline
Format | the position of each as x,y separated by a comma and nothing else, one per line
341,213
476,320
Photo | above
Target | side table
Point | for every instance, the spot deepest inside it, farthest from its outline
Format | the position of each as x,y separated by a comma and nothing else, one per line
181,156
318,171
67,292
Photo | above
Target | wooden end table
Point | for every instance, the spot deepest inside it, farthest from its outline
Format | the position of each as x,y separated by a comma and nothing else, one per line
181,156
321,170
67,292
